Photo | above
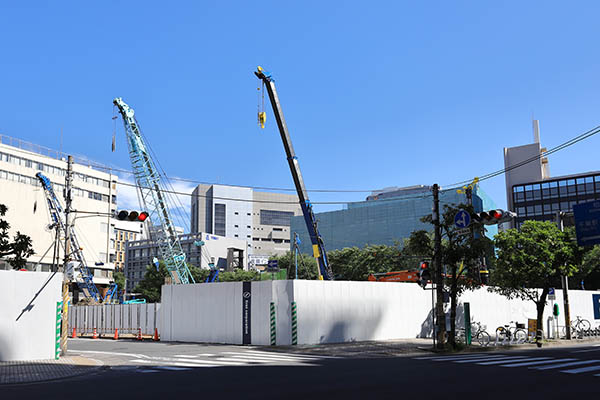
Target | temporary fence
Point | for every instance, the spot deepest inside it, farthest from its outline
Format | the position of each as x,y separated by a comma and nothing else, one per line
134,319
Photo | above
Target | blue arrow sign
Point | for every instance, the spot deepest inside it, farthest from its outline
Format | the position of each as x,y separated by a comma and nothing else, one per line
587,223
462,219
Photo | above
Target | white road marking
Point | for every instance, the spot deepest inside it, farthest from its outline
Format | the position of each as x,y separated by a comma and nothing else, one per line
516,359
184,356
585,351
435,358
188,362
247,359
147,371
565,364
271,356
308,356
169,368
526,364
113,353
580,370
484,360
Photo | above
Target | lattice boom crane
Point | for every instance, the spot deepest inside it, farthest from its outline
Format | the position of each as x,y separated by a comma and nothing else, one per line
148,181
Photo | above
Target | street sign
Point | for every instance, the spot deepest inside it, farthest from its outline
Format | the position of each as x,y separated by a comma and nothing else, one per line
462,219
587,223
596,303
464,231
272,266
551,294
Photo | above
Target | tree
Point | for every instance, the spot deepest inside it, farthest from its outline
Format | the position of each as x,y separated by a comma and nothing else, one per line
119,278
460,256
307,265
18,249
534,257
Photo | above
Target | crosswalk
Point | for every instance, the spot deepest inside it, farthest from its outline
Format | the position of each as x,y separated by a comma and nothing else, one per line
568,365
182,362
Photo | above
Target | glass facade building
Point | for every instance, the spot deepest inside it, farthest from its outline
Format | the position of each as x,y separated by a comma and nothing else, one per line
541,200
383,220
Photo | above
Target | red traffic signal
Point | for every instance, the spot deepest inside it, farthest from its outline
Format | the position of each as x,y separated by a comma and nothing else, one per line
424,274
132,215
493,217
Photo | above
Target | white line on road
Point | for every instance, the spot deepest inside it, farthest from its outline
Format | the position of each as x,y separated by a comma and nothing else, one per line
175,364
511,360
112,353
452,357
167,360
184,356
271,356
308,356
469,359
526,364
580,370
483,360
585,351
566,364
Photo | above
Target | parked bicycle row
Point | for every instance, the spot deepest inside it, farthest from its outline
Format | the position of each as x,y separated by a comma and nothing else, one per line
515,333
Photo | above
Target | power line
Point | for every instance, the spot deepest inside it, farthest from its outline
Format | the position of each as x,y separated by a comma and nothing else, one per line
553,150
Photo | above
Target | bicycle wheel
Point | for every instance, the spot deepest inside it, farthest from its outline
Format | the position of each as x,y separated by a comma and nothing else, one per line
584,324
483,338
520,336
501,334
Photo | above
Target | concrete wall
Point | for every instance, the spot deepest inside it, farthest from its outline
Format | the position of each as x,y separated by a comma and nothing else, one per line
330,312
28,314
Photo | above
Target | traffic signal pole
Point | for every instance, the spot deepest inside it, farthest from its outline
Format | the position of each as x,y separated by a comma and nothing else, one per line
565,283
437,262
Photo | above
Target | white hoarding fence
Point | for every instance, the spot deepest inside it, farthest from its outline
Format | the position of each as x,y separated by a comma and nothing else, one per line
127,318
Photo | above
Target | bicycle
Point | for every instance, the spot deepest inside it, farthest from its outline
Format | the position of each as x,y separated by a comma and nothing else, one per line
512,334
578,327
477,333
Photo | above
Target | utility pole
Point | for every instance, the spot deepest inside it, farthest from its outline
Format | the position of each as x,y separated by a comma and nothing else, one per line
437,262
565,282
65,284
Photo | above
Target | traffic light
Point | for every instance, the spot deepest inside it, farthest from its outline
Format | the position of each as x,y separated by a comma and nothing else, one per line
493,217
132,215
424,274
484,274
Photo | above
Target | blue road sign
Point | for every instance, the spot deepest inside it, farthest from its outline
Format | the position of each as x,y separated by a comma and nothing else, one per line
462,219
273,266
596,300
587,223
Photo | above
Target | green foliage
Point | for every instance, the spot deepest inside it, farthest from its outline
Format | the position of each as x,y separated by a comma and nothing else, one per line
16,250
238,275
355,264
533,257
307,265
119,279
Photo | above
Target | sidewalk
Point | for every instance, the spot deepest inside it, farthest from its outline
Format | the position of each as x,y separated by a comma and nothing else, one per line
19,372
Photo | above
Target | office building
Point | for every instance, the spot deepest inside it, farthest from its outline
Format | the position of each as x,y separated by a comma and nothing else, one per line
201,249
94,191
533,194
387,217
125,231
260,218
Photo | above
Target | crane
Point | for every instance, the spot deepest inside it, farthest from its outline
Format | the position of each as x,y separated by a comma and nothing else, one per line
307,210
148,181
85,278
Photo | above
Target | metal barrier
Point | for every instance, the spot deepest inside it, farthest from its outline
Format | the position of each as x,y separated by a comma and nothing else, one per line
105,318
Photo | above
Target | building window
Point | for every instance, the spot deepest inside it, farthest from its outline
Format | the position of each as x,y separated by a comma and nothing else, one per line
220,220
273,217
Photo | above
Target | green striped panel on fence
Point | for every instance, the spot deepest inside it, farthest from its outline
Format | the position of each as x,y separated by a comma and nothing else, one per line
294,323
273,325
58,322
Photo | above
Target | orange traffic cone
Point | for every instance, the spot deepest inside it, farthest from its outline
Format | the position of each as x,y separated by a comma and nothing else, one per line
116,337
139,337
95,334
74,334
155,338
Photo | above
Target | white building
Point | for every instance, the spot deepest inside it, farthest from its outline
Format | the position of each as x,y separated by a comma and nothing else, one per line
21,192
125,231
261,218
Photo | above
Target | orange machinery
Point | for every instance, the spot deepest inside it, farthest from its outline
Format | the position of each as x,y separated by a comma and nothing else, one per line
395,276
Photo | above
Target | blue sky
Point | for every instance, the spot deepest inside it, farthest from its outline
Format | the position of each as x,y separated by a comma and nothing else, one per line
375,93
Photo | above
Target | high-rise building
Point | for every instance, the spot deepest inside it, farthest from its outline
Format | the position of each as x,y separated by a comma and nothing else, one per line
386,218
260,218
94,191
533,194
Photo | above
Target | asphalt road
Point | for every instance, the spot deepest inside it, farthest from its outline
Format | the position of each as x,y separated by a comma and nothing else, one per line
163,371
